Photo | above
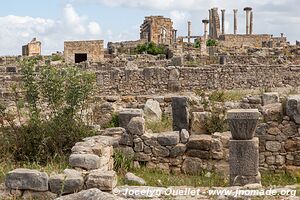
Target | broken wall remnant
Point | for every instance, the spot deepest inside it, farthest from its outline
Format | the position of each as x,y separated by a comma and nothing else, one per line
157,29
33,48
81,51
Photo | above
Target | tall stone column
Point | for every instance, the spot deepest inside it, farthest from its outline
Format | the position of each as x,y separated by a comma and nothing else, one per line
247,9
235,21
243,147
174,35
251,23
189,31
223,21
180,112
205,22
210,23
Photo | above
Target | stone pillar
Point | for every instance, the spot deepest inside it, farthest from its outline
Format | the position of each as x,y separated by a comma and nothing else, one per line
210,22
174,35
247,9
235,21
251,23
223,21
281,35
205,22
243,147
180,112
189,31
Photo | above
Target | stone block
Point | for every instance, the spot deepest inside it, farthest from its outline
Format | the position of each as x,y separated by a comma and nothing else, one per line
127,114
26,179
85,161
152,111
136,126
69,182
140,156
104,180
198,153
273,146
293,108
245,180
272,112
198,123
180,112
192,166
184,136
168,138
270,98
161,151
244,157
242,123
178,150
130,177
200,142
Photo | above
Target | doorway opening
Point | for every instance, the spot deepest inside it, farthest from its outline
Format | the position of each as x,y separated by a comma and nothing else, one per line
80,57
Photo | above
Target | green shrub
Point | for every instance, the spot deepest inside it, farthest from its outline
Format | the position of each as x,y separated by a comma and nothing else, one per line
56,57
211,43
150,48
53,101
197,43
216,122
114,122
122,163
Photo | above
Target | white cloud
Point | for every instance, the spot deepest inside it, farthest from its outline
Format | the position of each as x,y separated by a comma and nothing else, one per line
94,28
16,31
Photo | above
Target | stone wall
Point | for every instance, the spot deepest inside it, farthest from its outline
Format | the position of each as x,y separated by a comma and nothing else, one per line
94,50
125,81
33,48
231,40
127,47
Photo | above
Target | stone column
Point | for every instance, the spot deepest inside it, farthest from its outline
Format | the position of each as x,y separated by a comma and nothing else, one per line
247,9
251,23
210,22
235,21
205,22
180,112
223,21
243,147
174,35
189,31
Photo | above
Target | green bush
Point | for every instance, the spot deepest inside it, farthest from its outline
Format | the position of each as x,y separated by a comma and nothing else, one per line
114,122
53,101
122,163
216,122
56,57
211,43
197,43
150,48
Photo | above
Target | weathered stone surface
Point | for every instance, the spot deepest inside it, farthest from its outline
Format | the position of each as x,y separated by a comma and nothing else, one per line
91,194
114,132
130,177
152,111
198,153
85,161
140,156
69,182
192,166
136,126
198,122
178,150
128,151
245,180
126,139
104,180
29,195
270,98
127,114
168,138
184,136
272,112
26,179
242,123
200,142
244,157
138,146
293,108
180,113
273,146
161,151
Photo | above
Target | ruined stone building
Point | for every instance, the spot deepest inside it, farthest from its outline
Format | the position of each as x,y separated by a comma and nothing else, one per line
33,48
158,29
81,51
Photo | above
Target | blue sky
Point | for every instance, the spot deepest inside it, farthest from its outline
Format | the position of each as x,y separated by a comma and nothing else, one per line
54,21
